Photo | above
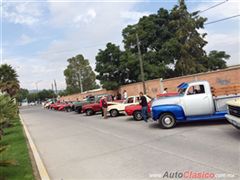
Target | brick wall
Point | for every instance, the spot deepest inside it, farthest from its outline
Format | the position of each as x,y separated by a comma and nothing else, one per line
217,79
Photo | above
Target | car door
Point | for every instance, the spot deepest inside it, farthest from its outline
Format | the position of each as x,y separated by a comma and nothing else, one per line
197,101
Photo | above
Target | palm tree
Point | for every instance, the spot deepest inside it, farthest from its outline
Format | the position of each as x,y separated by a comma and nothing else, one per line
8,80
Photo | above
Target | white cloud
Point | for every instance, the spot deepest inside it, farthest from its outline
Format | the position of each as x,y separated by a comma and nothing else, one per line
31,70
230,8
86,18
87,27
134,16
25,39
22,13
225,42
104,24
225,35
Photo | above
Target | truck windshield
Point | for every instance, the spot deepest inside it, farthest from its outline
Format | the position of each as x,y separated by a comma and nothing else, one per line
181,91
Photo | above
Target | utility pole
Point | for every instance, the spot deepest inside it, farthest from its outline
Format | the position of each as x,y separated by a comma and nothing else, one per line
141,64
36,83
80,80
55,84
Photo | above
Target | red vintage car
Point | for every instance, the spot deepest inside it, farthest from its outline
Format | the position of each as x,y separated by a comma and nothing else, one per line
65,107
91,109
54,106
61,106
135,110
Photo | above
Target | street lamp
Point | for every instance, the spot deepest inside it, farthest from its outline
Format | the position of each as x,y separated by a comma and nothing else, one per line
36,83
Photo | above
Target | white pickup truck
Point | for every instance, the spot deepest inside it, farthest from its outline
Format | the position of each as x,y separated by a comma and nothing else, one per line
117,109
194,102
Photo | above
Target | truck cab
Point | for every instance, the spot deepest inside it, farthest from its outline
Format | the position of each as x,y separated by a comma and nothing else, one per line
194,102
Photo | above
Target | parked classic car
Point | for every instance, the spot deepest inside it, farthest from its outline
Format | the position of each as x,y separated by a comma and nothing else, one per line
135,109
119,108
93,108
233,115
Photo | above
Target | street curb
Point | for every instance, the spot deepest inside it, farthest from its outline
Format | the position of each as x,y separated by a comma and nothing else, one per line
40,166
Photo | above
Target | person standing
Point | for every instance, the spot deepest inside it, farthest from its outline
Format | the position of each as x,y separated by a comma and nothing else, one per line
104,107
119,96
144,104
165,91
101,105
124,94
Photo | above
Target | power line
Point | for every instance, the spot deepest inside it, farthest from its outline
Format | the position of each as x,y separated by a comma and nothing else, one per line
211,7
222,19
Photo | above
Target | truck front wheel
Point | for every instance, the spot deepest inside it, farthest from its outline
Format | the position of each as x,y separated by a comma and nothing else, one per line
167,121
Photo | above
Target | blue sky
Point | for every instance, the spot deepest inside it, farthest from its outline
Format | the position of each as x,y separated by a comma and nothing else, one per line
39,36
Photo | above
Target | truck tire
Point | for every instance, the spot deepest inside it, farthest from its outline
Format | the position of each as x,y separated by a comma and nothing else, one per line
167,121
114,113
137,115
89,112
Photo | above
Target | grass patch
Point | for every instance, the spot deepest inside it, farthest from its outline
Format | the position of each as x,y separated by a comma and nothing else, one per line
17,150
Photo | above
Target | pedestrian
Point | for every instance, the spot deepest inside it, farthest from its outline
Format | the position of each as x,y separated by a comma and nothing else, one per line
101,105
119,96
144,104
165,91
113,97
104,107
124,94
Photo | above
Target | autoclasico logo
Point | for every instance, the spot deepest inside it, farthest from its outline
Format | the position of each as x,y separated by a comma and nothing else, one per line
191,175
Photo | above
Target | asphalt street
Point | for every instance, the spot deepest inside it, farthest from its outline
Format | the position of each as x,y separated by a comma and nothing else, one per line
74,146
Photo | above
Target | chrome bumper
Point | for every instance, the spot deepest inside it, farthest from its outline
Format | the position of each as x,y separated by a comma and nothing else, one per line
233,120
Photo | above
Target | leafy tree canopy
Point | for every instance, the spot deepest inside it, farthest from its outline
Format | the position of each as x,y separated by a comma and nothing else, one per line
79,72
216,60
111,67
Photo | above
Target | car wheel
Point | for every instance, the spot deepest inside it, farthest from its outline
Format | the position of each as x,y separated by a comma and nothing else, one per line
79,110
114,112
89,112
67,109
137,115
167,120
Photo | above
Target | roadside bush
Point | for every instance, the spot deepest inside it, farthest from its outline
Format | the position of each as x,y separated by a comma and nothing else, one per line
8,111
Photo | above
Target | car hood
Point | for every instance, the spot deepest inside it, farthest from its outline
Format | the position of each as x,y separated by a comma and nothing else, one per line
166,100
119,107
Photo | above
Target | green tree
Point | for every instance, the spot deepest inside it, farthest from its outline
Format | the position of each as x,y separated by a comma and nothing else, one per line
154,33
32,97
216,60
187,42
8,80
79,72
111,67
46,94
22,94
